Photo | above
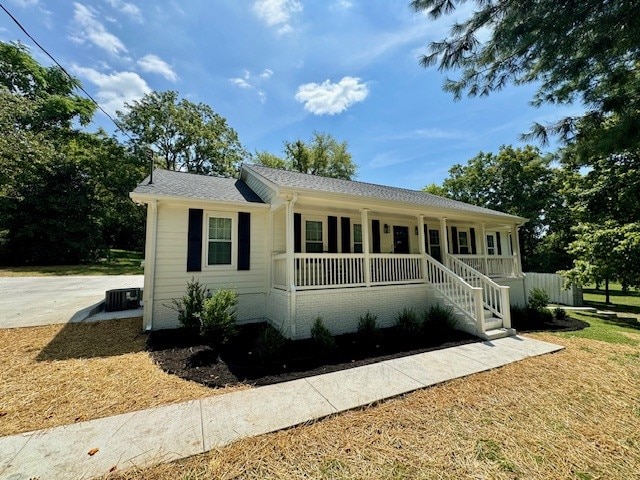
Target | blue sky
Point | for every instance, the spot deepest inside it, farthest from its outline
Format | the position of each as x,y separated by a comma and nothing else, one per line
280,69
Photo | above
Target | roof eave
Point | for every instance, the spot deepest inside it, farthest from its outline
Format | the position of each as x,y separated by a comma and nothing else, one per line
140,197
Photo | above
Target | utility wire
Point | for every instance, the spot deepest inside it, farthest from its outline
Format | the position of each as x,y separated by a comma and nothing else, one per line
77,84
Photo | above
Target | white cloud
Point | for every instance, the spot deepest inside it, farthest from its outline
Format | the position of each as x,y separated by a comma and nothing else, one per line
251,82
94,31
277,13
128,9
328,98
27,3
430,134
341,5
266,73
114,89
154,64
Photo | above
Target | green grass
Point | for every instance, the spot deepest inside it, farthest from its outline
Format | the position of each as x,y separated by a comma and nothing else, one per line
120,262
611,330
624,302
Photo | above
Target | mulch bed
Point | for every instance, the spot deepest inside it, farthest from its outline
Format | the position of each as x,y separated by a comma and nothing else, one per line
180,352
553,324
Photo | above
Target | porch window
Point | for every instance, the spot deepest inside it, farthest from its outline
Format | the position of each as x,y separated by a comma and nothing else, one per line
313,236
463,242
219,241
357,238
491,245
434,244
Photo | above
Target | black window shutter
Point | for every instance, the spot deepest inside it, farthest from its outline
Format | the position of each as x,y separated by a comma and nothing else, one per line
194,241
345,223
333,235
426,238
454,240
375,227
498,243
472,234
297,232
244,240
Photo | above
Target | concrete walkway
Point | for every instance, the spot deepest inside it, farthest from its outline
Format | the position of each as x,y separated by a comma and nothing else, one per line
35,301
176,431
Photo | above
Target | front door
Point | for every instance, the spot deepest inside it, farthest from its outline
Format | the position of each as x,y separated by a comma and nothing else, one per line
434,245
400,239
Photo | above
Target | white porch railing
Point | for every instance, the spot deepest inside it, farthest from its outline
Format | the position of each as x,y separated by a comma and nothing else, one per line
466,298
495,297
279,271
388,269
492,265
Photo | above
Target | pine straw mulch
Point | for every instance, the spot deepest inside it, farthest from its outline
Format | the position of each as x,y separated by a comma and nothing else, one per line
572,414
61,374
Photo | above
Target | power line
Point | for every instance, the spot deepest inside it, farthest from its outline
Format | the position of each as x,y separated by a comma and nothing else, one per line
77,84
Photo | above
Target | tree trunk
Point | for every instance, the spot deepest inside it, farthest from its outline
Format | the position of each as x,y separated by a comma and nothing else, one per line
606,289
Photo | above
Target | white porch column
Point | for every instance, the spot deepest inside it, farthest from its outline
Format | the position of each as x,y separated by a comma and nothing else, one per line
515,240
444,240
485,250
423,250
364,221
290,262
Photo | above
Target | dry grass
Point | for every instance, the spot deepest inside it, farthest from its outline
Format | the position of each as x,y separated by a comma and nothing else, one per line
62,374
573,414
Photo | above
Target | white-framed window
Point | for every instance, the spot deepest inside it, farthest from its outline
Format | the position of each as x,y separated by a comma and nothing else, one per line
491,244
357,238
220,240
463,242
315,235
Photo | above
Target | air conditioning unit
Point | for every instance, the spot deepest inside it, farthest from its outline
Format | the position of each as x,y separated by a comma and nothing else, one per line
122,299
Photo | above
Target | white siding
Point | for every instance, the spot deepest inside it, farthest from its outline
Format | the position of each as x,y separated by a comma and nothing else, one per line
340,309
171,274
265,192
516,290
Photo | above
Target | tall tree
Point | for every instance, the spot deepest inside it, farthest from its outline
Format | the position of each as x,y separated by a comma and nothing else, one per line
54,102
584,52
323,155
606,252
519,181
185,136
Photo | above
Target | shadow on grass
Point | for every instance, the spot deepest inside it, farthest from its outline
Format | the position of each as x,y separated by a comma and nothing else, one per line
635,309
94,340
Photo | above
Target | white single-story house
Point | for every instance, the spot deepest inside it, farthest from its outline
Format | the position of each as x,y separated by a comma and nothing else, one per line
297,246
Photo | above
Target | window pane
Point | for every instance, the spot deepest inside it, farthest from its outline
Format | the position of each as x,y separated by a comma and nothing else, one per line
434,237
219,253
490,243
313,231
314,247
219,228
357,233
357,248
463,240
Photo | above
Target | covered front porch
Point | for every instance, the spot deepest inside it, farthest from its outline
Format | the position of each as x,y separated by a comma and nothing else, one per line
345,252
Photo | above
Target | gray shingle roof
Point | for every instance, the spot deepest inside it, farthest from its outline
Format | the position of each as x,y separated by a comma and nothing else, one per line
201,187
293,180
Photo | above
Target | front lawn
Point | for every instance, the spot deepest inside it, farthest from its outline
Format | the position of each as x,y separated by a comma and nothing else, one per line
621,301
574,414
118,262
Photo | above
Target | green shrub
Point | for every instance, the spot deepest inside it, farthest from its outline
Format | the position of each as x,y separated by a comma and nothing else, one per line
322,337
560,313
368,328
408,323
538,299
269,344
190,306
439,320
218,322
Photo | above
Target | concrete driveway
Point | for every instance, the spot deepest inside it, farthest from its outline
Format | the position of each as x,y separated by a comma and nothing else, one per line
33,301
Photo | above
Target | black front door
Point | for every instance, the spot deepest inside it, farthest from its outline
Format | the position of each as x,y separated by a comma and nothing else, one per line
400,239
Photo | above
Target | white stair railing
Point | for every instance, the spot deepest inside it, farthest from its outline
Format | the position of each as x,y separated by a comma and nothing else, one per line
495,297
466,298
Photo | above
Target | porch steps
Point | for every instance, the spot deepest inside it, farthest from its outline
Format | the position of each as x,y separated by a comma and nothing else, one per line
496,333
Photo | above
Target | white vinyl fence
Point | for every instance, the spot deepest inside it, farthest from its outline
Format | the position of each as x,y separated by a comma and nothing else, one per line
552,283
